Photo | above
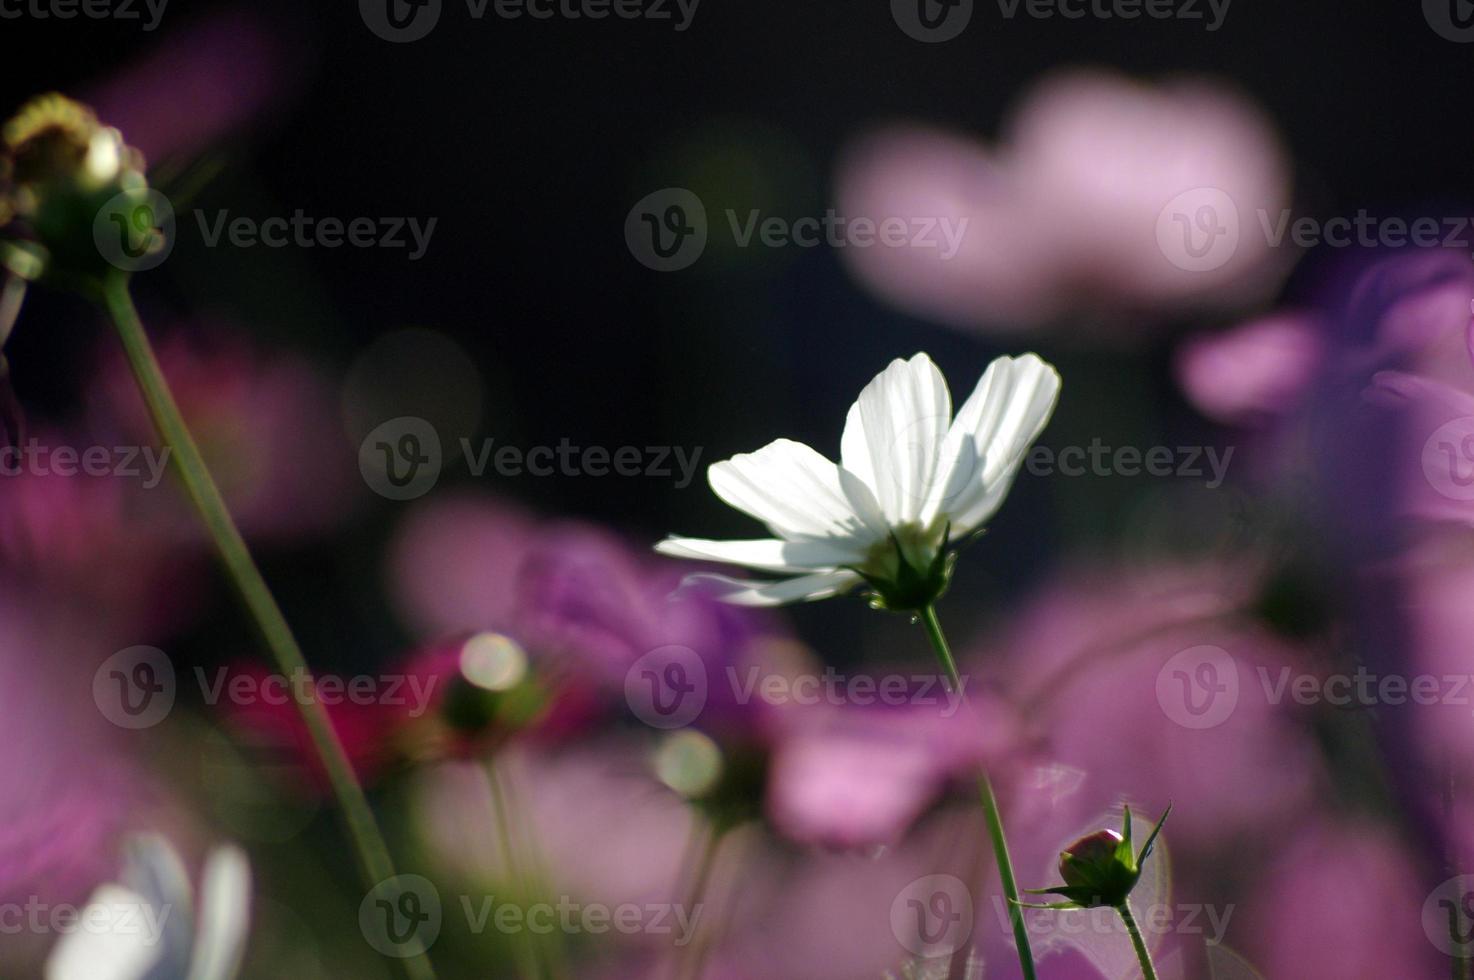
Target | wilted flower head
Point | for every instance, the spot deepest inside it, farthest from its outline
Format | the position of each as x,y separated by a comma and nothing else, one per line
912,481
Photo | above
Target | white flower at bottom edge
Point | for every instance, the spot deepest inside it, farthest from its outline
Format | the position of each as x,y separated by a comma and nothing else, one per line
911,480
144,927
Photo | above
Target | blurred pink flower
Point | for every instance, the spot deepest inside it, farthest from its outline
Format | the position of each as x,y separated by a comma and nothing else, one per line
1067,215
92,542
851,776
1340,900
1089,664
206,79
266,425
1254,373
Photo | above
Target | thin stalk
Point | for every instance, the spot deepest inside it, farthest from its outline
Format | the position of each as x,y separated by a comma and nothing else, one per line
363,831
690,966
991,816
527,961
1147,970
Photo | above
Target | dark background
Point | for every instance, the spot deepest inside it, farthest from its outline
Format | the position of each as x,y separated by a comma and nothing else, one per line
530,140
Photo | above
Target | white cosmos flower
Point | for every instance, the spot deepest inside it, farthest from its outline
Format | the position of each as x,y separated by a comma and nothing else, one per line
145,928
911,479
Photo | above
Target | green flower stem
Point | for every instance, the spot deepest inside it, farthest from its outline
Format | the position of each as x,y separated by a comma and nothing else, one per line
368,842
705,853
527,960
1147,970
990,806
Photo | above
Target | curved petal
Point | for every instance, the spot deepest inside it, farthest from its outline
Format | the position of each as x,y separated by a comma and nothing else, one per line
893,433
765,554
804,588
123,951
225,915
993,431
791,488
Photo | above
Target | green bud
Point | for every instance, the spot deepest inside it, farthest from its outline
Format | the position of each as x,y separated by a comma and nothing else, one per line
1101,869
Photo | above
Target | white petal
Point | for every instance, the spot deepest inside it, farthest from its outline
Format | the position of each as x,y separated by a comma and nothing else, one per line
893,433
990,437
767,554
225,915
790,488
123,950
804,588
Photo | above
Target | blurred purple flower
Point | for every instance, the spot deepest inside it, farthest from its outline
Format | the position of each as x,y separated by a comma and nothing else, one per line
266,425
1340,900
205,80
1255,373
1089,663
849,776
1068,214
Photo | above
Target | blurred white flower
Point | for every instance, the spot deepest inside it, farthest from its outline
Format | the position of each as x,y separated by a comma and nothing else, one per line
145,927
911,480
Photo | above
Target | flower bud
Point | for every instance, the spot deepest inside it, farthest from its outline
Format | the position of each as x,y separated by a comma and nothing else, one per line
1100,869
59,168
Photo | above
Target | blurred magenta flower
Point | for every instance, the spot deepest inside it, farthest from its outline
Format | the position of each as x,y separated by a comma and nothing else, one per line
1146,682
1255,373
860,776
93,542
68,788
203,81
266,424
1341,899
1072,212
